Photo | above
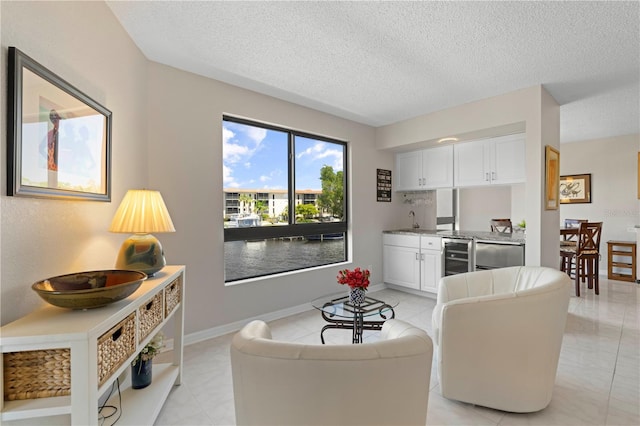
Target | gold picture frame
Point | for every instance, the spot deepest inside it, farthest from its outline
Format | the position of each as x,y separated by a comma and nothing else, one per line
552,178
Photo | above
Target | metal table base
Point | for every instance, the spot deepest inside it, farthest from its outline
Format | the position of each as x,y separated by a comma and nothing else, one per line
357,323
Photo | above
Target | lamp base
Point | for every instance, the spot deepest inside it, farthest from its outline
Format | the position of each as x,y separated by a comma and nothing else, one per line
141,252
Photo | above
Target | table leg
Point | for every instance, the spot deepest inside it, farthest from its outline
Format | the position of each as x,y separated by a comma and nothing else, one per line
358,327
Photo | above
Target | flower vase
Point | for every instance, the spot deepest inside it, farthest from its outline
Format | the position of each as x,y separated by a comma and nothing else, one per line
356,295
141,374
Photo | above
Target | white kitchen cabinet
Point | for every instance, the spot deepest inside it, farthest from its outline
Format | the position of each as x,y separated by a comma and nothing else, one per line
401,260
494,161
83,335
412,261
424,169
408,171
431,252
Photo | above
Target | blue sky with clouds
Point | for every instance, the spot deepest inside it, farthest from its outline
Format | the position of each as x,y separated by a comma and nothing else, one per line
256,158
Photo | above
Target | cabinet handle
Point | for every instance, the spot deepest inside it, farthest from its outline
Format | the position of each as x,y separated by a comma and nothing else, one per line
487,176
116,335
493,175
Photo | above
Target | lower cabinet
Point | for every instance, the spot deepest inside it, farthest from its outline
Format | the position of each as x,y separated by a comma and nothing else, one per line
412,261
431,268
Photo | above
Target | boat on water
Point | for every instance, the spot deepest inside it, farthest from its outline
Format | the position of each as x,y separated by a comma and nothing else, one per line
244,221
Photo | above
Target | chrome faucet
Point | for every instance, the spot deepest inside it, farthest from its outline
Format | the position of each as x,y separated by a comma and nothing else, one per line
414,224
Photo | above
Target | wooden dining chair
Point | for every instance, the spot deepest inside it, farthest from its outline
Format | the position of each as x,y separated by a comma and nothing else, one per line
571,239
501,225
582,261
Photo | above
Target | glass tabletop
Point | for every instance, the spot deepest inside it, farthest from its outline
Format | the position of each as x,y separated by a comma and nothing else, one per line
338,305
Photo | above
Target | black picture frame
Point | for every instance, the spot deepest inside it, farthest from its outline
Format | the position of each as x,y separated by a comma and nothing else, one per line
58,138
383,185
575,189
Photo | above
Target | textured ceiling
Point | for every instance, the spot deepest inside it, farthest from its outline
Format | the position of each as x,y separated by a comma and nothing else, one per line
381,62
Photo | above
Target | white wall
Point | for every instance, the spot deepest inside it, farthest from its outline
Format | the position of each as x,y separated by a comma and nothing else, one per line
478,205
612,163
518,202
85,45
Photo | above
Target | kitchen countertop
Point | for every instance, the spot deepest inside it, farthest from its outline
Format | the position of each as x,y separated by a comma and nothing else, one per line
516,237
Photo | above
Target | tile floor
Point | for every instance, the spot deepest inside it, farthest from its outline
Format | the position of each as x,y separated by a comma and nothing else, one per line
598,380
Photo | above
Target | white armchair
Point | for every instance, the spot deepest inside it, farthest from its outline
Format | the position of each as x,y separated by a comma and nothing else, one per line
498,335
379,383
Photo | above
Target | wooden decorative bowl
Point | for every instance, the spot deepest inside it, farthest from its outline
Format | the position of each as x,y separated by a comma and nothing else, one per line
85,290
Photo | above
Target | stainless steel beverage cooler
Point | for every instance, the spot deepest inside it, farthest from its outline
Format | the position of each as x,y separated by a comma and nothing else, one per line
457,256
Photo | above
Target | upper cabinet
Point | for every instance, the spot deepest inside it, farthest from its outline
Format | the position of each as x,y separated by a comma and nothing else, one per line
499,160
425,169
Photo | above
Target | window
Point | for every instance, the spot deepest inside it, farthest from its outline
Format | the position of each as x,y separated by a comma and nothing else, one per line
285,200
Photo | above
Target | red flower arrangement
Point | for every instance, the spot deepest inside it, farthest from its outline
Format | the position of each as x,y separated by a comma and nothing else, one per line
355,278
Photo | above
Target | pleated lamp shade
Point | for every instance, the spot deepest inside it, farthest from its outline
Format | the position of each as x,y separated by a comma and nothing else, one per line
142,212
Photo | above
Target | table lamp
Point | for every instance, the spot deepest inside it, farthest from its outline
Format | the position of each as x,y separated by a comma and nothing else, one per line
142,212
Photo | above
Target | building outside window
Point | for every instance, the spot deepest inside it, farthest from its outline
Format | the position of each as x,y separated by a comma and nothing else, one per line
309,198
231,203
285,198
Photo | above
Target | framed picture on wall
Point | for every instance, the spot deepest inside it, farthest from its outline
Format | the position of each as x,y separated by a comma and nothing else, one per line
58,139
552,178
575,189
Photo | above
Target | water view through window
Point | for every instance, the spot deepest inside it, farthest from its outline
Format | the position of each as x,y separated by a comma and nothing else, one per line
272,256
284,200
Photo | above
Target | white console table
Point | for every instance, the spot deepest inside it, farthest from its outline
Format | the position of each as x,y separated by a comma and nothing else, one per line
80,331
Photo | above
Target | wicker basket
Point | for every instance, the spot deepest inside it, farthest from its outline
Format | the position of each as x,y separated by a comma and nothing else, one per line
115,346
37,374
172,296
149,316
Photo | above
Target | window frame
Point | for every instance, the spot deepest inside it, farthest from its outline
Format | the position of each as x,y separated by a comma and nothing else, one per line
294,229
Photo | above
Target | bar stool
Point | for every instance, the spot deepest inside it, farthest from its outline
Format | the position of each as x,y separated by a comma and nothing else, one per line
586,254
570,240
501,225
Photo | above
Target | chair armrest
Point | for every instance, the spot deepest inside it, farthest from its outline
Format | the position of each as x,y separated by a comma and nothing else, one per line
394,329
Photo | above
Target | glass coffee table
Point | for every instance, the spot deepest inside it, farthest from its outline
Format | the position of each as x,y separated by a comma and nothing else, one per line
342,314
